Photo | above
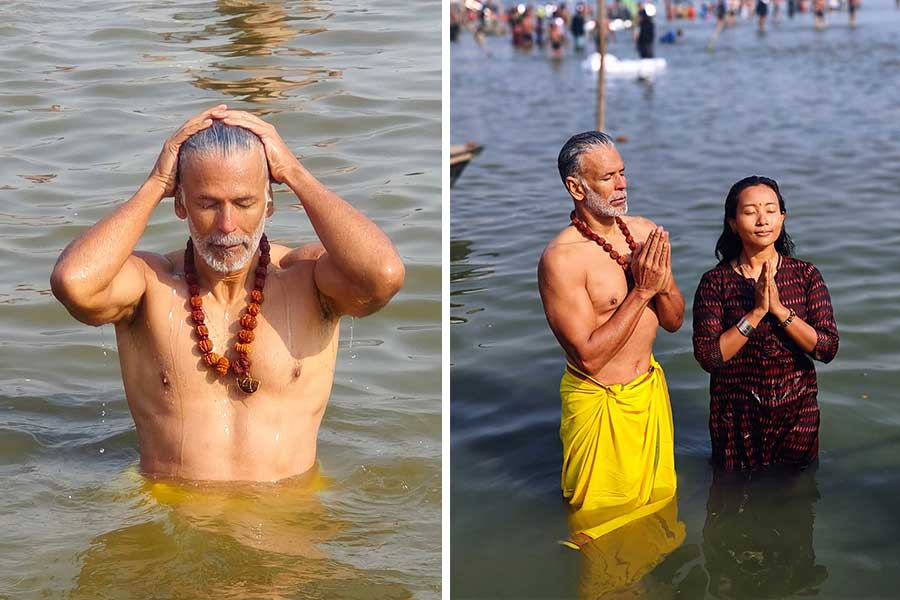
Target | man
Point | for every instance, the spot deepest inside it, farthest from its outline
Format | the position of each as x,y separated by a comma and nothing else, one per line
227,348
606,284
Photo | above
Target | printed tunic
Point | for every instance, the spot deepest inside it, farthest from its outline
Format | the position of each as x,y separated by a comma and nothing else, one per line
763,408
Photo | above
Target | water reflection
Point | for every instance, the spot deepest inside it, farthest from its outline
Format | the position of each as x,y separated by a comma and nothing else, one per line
461,270
758,535
616,564
251,30
226,541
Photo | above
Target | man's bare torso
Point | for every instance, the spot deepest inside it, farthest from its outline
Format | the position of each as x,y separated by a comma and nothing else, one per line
606,285
193,424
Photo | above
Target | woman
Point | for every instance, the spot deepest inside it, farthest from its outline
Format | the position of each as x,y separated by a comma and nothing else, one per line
760,317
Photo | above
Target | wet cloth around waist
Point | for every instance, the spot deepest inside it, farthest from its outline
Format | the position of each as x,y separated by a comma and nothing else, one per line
618,449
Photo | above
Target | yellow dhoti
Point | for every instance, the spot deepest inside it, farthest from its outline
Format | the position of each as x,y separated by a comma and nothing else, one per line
618,450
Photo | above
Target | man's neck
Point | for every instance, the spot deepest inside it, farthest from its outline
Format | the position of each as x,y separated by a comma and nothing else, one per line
602,226
226,288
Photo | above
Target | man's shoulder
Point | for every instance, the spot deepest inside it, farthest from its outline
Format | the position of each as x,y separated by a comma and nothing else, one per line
304,255
161,264
640,227
566,243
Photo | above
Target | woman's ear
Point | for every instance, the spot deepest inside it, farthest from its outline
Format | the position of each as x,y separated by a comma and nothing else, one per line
180,208
732,225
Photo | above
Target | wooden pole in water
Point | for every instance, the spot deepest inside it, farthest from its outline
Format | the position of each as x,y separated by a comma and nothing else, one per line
601,75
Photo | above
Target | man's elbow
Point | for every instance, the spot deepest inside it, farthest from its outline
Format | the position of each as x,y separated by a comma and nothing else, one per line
63,285
389,281
69,290
672,325
592,365
382,289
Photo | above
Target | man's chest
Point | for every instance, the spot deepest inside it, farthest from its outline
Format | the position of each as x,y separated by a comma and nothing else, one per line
288,339
606,284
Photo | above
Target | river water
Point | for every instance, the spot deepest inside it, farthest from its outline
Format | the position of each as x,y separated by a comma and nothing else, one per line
88,94
817,111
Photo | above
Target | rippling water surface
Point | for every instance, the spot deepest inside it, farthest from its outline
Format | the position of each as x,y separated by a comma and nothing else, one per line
88,93
815,110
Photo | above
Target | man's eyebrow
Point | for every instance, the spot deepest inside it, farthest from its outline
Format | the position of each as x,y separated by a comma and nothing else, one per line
237,199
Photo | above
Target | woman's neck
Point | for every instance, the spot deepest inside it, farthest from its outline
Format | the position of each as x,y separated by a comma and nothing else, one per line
755,257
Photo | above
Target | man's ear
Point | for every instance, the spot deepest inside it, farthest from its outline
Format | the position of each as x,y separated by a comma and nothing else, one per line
573,185
180,208
270,203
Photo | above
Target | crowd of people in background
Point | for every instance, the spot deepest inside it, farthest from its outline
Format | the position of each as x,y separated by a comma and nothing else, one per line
555,26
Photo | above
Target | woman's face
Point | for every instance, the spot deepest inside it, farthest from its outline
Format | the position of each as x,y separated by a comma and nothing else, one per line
759,219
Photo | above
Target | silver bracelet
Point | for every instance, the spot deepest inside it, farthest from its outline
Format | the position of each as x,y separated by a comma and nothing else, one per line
744,327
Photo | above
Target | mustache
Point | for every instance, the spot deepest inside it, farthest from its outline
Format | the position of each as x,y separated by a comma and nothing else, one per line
618,196
230,239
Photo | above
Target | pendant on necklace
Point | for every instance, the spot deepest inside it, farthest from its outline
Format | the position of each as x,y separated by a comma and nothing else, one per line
247,384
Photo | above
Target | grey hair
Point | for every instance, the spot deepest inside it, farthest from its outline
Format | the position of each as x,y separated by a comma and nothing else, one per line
569,161
221,140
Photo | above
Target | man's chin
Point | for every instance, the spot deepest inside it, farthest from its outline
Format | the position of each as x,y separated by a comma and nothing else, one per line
225,266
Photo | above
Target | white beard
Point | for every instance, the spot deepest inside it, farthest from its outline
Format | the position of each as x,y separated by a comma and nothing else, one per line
226,264
601,207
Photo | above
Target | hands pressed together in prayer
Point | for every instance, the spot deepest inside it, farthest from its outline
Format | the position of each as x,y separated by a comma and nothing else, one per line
651,265
766,295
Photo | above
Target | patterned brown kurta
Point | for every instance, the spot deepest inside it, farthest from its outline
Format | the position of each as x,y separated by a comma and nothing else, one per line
763,407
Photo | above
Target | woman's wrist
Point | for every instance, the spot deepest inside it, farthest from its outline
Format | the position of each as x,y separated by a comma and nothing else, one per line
781,313
755,316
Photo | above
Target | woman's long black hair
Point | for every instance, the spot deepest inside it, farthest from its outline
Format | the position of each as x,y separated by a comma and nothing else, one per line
729,245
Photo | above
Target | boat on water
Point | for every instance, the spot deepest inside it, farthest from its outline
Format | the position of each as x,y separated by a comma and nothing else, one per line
460,155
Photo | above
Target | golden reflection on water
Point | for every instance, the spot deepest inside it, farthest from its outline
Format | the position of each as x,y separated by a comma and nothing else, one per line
614,565
253,30
224,540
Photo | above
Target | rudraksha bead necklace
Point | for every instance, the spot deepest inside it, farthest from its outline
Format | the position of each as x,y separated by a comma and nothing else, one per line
587,232
220,364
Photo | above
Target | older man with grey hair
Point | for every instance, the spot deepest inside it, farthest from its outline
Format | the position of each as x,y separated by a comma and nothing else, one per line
228,347
606,283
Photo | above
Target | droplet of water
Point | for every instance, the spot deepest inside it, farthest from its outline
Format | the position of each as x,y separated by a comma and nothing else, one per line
102,413
102,450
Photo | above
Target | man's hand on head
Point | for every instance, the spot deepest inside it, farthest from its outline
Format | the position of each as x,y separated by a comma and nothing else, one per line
166,167
280,158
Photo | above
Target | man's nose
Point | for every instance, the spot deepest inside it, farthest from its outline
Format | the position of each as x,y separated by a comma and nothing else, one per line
621,183
225,220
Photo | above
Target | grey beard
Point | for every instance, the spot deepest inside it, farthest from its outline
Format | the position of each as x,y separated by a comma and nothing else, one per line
223,266
600,207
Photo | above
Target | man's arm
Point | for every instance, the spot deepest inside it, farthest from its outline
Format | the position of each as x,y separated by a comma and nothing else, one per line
360,271
98,277
568,306
669,302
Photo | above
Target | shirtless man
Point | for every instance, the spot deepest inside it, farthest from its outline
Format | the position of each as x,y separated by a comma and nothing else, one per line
195,420
604,306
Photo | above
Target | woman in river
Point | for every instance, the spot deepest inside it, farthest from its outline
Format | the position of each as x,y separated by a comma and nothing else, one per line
760,318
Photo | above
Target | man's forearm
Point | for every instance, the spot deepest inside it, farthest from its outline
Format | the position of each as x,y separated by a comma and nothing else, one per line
670,309
607,340
356,245
91,261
